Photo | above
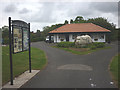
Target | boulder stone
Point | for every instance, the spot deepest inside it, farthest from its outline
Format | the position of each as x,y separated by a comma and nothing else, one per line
83,40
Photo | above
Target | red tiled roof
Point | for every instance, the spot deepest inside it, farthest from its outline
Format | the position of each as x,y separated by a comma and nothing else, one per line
81,27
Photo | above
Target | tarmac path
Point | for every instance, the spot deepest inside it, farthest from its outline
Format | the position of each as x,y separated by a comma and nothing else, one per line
67,70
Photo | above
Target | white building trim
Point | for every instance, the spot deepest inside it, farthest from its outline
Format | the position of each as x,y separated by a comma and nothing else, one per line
98,37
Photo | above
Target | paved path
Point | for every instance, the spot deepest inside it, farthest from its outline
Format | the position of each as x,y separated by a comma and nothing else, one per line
66,70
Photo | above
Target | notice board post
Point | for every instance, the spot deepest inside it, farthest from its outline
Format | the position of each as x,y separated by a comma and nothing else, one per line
10,52
29,49
19,41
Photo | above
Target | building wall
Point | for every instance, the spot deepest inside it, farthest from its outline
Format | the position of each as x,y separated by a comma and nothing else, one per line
100,37
59,38
55,40
71,38
95,37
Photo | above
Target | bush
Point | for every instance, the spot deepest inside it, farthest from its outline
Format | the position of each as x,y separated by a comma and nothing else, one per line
99,44
5,41
93,47
37,39
96,45
66,44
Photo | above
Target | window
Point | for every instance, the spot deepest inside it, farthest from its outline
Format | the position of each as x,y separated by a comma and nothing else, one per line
62,39
73,36
101,36
91,36
95,39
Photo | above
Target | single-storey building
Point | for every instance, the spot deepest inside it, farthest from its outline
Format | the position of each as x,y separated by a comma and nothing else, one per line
69,32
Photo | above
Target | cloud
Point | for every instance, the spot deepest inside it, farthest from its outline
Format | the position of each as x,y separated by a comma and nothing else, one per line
108,10
57,11
105,7
24,11
41,14
79,8
10,8
51,12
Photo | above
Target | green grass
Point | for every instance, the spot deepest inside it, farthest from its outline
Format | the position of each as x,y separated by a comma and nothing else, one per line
114,69
83,52
21,62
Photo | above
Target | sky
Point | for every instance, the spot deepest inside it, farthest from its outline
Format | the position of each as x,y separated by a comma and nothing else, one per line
41,13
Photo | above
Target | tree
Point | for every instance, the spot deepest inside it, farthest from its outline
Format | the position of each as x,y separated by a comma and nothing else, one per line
79,19
105,24
71,21
5,34
66,22
38,33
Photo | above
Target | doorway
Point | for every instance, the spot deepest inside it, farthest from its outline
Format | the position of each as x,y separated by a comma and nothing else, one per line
67,37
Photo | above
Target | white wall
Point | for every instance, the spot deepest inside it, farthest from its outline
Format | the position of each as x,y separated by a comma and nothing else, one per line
58,37
55,38
93,36
98,36
71,38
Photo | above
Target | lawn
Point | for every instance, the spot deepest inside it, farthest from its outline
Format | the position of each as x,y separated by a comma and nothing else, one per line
21,62
81,51
114,69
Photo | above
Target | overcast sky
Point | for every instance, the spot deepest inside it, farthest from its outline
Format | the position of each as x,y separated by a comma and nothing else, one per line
41,14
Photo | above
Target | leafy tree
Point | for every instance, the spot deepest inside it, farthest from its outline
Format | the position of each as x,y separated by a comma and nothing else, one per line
66,22
105,24
79,19
38,33
40,36
71,21
5,34
117,35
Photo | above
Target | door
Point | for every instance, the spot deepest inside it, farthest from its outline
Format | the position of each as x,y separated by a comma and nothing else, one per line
67,38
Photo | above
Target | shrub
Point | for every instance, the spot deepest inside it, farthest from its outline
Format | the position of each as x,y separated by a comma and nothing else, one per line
81,46
5,41
93,47
99,44
65,44
96,45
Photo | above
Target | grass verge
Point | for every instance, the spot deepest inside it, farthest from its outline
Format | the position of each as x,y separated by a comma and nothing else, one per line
87,51
114,69
21,62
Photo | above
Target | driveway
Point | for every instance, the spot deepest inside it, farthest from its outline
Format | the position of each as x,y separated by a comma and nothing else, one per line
67,70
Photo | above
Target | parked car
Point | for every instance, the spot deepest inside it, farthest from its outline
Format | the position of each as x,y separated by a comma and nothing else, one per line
47,39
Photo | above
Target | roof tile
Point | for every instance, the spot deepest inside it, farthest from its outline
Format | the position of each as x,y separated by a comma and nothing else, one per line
81,27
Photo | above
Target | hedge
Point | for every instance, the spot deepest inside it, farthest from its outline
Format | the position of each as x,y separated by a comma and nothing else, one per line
65,44
91,46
